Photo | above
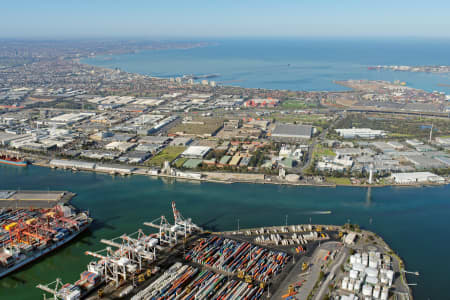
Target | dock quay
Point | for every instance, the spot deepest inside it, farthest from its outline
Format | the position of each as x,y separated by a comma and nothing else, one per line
26,234
35,199
179,260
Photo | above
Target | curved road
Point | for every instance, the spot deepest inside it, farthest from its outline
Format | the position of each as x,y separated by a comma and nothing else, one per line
338,262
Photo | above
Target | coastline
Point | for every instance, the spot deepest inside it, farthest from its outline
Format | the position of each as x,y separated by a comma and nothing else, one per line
145,171
363,232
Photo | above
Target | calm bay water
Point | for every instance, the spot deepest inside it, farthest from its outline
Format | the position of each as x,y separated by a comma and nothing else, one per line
414,221
301,64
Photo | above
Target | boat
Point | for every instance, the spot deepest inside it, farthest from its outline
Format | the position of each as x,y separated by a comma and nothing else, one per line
28,234
12,160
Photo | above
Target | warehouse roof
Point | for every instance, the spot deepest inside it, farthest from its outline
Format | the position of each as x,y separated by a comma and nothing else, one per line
290,130
197,151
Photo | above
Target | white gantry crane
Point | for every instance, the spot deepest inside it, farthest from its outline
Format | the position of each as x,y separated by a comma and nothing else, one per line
137,247
52,288
116,265
167,232
185,226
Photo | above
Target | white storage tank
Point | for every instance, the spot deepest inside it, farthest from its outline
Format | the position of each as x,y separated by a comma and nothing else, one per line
390,274
351,284
376,292
358,267
373,263
372,272
357,286
344,284
372,280
367,290
354,274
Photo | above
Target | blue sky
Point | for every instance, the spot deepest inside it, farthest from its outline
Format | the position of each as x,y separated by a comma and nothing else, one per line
226,18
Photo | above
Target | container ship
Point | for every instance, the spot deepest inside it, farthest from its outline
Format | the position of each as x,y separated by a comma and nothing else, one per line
28,234
12,160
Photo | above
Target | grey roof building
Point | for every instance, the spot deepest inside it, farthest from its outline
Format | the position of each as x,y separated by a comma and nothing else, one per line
293,131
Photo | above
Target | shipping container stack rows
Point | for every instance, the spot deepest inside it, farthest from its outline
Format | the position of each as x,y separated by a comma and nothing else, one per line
217,267
181,281
238,258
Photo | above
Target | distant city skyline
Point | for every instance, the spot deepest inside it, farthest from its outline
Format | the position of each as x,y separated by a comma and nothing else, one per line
202,18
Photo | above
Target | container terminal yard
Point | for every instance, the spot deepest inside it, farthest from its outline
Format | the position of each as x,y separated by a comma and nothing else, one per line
180,260
27,234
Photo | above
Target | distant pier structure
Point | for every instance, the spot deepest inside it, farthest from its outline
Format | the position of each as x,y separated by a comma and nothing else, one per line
35,199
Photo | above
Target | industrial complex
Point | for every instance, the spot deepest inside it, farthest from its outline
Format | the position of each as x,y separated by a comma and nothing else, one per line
180,260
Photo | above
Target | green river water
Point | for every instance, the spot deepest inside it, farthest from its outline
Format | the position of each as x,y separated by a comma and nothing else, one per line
414,221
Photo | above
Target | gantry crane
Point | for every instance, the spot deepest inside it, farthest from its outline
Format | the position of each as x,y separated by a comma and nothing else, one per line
137,247
52,288
115,265
185,226
167,232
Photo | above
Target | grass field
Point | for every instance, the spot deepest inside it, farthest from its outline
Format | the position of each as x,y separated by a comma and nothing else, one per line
340,180
296,104
397,126
169,154
314,119
208,126
320,151
180,162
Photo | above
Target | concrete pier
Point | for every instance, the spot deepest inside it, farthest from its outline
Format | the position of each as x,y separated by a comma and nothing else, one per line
35,199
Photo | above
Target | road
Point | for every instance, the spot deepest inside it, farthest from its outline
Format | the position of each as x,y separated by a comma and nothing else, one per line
316,140
338,262
314,270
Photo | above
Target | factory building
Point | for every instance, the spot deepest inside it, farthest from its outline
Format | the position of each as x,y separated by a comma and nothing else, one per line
69,118
415,177
196,152
62,163
364,133
292,131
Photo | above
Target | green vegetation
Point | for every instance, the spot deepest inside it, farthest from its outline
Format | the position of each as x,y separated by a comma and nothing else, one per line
180,162
297,104
318,120
352,227
397,126
321,275
258,159
67,104
199,126
169,154
339,180
320,151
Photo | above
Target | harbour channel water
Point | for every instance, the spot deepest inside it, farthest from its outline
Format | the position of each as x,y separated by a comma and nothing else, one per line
414,221
293,64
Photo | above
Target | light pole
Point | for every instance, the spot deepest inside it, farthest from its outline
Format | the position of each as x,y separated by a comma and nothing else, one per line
238,224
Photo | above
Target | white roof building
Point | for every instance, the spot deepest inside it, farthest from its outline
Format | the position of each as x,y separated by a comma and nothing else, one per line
63,163
415,177
196,152
121,146
69,118
365,133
